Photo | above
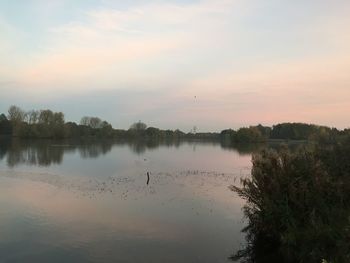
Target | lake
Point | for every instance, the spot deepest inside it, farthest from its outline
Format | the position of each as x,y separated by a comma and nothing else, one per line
89,201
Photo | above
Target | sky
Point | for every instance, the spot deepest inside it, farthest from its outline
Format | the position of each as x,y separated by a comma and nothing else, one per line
213,64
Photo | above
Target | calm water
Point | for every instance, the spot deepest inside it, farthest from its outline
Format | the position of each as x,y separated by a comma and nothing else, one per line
90,202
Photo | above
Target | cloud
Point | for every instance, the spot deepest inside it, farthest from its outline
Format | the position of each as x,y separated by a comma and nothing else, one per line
114,48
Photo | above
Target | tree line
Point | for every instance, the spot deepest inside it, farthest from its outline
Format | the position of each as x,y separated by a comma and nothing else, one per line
49,124
285,131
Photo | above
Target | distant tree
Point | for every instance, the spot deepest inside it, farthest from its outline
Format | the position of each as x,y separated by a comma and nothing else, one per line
264,130
33,116
105,124
227,135
45,124
248,135
298,131
71,130
194,129
5,125
106,129
3,117
138,126
16,114
58,125
178,133
58,118
92,122
152,132
95,123
46,117
85,121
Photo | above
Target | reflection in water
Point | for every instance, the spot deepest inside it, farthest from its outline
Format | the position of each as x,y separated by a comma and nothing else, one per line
141,146
121,201
89,201
95,149
249,148
38,154
48,152
243,148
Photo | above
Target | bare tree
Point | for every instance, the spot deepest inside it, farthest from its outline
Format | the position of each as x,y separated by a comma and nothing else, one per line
85,121
95,122
33,116
46,117
58,118
16,114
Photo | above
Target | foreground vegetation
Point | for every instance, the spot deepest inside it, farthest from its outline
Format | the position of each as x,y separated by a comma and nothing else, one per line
298,205
49,124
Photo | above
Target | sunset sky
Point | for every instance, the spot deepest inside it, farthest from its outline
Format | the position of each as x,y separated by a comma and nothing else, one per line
213,64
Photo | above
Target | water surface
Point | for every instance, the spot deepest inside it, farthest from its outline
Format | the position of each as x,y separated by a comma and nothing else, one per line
90,201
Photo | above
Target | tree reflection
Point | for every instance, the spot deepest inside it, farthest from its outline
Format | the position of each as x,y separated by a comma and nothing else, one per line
4,145
48,152
40,153
94,149
140,146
